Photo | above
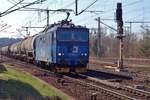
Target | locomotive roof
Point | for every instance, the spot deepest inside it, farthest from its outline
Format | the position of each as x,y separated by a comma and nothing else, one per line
62,24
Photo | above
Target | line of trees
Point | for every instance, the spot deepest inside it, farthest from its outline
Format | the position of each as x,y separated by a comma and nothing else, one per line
136,45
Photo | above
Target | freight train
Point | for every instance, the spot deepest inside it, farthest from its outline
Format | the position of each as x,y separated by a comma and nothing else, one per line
61,47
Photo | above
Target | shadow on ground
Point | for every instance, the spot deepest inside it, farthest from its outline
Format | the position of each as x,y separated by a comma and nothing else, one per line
106,76
16,90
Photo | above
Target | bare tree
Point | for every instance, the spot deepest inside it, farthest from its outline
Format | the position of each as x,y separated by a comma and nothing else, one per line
144,48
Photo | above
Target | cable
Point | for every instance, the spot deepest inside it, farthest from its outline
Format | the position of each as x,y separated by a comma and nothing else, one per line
7,11
34,16
32,19
11,2
87,7
70,4
128,4
140,14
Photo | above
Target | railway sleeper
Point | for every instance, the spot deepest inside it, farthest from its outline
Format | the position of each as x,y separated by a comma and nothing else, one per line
140,94
111,94
99,89
62,82
58,80
94,89
116,98
105,91
137,92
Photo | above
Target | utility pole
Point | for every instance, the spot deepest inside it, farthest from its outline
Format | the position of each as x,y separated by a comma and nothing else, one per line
27,31
130,27
47,12
120,35
76,7
99,38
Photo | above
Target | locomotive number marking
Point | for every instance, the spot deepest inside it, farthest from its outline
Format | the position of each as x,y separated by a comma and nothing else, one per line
75,49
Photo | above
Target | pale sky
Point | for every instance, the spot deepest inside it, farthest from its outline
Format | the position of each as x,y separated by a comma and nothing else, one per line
133,10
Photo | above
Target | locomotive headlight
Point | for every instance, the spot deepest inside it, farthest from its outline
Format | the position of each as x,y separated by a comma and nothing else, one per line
82,54
59,54
85,54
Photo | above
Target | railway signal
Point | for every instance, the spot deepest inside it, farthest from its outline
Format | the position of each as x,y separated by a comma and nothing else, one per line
120,36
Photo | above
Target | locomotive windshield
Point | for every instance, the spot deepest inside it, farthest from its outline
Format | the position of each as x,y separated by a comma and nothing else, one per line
64,36
80,36
73,35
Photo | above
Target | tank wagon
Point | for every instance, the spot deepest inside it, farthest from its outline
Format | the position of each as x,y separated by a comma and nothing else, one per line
27,49
4,50
62,47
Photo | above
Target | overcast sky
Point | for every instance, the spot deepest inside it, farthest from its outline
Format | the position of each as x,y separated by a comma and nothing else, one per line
133,10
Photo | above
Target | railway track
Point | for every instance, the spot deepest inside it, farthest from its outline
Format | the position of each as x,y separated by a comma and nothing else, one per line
126,90
103,90
112,63
135,71
97,89
140,61
63,79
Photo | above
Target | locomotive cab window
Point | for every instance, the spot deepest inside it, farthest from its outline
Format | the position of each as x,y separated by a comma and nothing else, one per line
72,35
64,36
80,36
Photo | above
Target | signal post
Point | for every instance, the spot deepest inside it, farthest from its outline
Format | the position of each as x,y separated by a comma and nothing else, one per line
120,36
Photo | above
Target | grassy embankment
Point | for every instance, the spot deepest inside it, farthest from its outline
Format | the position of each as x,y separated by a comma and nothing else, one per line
19,85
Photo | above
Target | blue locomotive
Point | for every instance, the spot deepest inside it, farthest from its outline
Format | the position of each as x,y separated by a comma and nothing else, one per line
65,47
62,47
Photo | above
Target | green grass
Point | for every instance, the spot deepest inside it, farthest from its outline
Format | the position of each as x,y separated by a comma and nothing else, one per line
16,85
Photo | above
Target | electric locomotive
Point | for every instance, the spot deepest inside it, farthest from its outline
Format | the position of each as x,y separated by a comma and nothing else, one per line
64,47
